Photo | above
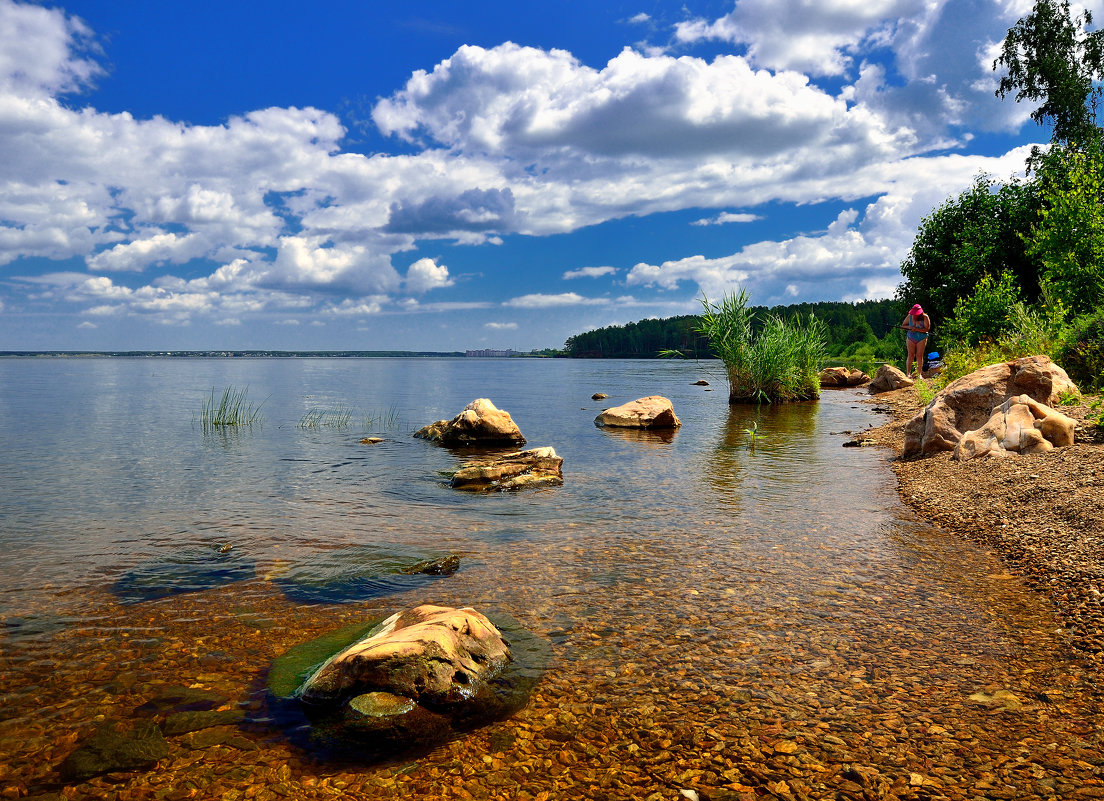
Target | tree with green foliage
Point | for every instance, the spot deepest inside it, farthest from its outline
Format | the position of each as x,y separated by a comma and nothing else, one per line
986,313
1068,238
967,238
1050,56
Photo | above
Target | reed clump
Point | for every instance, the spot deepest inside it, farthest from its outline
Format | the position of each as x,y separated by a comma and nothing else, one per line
231,408
774,361
342,416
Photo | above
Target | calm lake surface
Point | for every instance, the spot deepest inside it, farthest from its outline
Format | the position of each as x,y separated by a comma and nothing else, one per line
758,618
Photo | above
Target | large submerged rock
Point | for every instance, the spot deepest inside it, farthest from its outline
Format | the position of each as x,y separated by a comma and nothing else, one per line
537,467
480,422
654,411
968,403
359,572
187,570
1019,425
418,677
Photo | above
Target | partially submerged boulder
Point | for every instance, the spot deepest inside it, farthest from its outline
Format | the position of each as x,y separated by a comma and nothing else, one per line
1019,425
480,422
435,656
887,379
654,411
358,572
839,377
968,403
407,682
537,467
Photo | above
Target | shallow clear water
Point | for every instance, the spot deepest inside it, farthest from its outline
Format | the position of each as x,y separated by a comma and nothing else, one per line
702,581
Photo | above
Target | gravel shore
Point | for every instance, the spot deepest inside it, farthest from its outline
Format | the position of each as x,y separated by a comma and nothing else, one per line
1043,514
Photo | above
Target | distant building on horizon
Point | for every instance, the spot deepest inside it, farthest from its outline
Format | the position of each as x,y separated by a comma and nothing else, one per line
490,353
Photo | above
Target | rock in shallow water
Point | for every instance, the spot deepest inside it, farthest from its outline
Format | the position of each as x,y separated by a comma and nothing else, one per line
537,467
654,411
116,746
189,570
437,656
480,422
360,572
367,721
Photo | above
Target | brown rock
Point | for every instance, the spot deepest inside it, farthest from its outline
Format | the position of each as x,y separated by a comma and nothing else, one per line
1019,425
434,655
480,422
654,411
836,377
531,468
968,403
599,396
887,379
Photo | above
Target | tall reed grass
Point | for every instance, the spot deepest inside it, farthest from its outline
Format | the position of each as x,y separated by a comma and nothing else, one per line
231,408
342,416
779,362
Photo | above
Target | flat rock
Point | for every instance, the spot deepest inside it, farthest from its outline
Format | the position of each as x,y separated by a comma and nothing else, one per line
654,411
187,570
359,572
537,467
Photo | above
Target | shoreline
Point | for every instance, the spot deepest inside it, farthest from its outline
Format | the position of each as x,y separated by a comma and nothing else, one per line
1042,514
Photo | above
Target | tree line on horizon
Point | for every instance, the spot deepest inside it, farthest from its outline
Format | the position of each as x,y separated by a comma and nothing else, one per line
863,330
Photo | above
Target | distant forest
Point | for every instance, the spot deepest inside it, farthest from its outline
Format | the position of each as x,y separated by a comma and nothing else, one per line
861,330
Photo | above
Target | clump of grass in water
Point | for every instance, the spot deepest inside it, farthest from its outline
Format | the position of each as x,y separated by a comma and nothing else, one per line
779,362
342,417
339,417
383,421
232,408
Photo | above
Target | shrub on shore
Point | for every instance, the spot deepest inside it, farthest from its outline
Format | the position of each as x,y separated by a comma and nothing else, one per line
1081,350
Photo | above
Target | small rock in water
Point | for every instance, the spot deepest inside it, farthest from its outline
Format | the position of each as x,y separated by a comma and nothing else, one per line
599,396
445,566
371,440
113,747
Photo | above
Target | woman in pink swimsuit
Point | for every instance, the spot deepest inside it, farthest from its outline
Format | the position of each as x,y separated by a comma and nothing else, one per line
917,324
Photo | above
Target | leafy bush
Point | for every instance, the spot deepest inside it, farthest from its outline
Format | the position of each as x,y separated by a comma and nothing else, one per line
984,314
1081,352
1033,330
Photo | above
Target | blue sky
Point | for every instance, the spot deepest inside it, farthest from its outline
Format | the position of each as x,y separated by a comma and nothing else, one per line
443,176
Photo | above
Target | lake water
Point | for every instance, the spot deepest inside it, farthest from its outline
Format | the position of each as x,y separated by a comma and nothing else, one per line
761,617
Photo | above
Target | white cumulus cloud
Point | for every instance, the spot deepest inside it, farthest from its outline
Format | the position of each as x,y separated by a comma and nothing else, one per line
426,274
589,272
